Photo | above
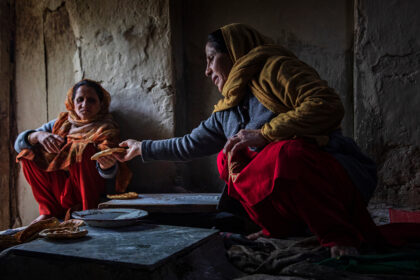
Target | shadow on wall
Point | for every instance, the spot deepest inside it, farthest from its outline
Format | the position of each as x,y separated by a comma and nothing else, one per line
147,177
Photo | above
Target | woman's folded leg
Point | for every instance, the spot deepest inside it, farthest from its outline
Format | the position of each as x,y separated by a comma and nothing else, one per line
310,187
86,183
46,187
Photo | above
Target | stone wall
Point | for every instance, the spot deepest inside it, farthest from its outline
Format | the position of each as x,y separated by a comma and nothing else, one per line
123,44
150,56
387,95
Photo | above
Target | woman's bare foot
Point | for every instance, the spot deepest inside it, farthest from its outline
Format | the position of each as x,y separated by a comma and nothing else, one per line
255,235
338,251
40,218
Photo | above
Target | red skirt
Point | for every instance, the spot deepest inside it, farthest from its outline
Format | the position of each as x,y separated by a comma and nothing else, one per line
292,185
57,191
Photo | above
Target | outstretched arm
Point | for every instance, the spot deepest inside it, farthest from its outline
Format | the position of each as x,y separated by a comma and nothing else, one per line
134,150
207,139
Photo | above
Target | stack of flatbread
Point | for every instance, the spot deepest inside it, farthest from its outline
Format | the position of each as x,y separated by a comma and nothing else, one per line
67,229
50,228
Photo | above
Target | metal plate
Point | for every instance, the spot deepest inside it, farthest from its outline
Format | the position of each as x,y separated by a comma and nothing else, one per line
169,203
116,217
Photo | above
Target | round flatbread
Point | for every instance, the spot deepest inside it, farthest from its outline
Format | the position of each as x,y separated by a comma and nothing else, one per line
129,195
63,232
107,152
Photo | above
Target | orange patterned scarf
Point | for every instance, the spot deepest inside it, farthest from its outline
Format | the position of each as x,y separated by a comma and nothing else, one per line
101,131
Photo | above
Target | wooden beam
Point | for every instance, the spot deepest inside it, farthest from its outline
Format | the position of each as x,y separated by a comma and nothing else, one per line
6,111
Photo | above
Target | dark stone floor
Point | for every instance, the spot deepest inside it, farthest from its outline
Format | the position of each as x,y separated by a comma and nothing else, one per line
159,248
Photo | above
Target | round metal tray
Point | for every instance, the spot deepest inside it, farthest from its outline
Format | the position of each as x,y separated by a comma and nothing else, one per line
115,217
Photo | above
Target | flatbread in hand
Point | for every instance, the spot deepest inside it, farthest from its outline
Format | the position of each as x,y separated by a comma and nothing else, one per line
107,152
129,195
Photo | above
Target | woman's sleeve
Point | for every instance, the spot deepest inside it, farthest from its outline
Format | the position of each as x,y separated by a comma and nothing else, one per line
207,139
109,173
22,139
312,107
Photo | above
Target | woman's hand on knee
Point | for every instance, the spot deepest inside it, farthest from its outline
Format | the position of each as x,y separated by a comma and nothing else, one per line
50,142
134,149
243,139
106,162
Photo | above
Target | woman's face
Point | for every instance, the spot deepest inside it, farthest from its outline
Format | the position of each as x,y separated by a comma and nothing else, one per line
86,103
218,66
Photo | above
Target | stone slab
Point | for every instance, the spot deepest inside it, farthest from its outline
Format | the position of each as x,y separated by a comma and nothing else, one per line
169,203
144,246
143,251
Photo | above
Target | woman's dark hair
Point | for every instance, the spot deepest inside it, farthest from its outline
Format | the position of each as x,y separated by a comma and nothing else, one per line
91,84
217,41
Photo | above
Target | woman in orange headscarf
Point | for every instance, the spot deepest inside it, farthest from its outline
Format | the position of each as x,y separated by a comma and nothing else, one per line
284,157
55,158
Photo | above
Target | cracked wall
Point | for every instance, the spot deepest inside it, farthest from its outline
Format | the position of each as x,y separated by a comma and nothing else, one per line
387,101
123,44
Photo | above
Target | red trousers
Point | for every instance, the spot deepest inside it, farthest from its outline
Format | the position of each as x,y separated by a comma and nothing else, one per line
58,191
291,185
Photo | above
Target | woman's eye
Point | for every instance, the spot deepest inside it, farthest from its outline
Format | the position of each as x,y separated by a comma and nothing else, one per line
79,100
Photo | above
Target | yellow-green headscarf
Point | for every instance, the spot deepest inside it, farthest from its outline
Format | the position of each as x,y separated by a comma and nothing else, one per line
305,105
241,38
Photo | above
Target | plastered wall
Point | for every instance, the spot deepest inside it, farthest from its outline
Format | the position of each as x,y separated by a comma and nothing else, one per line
123,44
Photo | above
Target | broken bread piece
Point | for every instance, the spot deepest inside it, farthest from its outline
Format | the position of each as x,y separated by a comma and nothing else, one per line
31,232
128,195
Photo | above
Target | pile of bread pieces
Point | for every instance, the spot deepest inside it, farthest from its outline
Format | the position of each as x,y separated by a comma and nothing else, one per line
51,228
